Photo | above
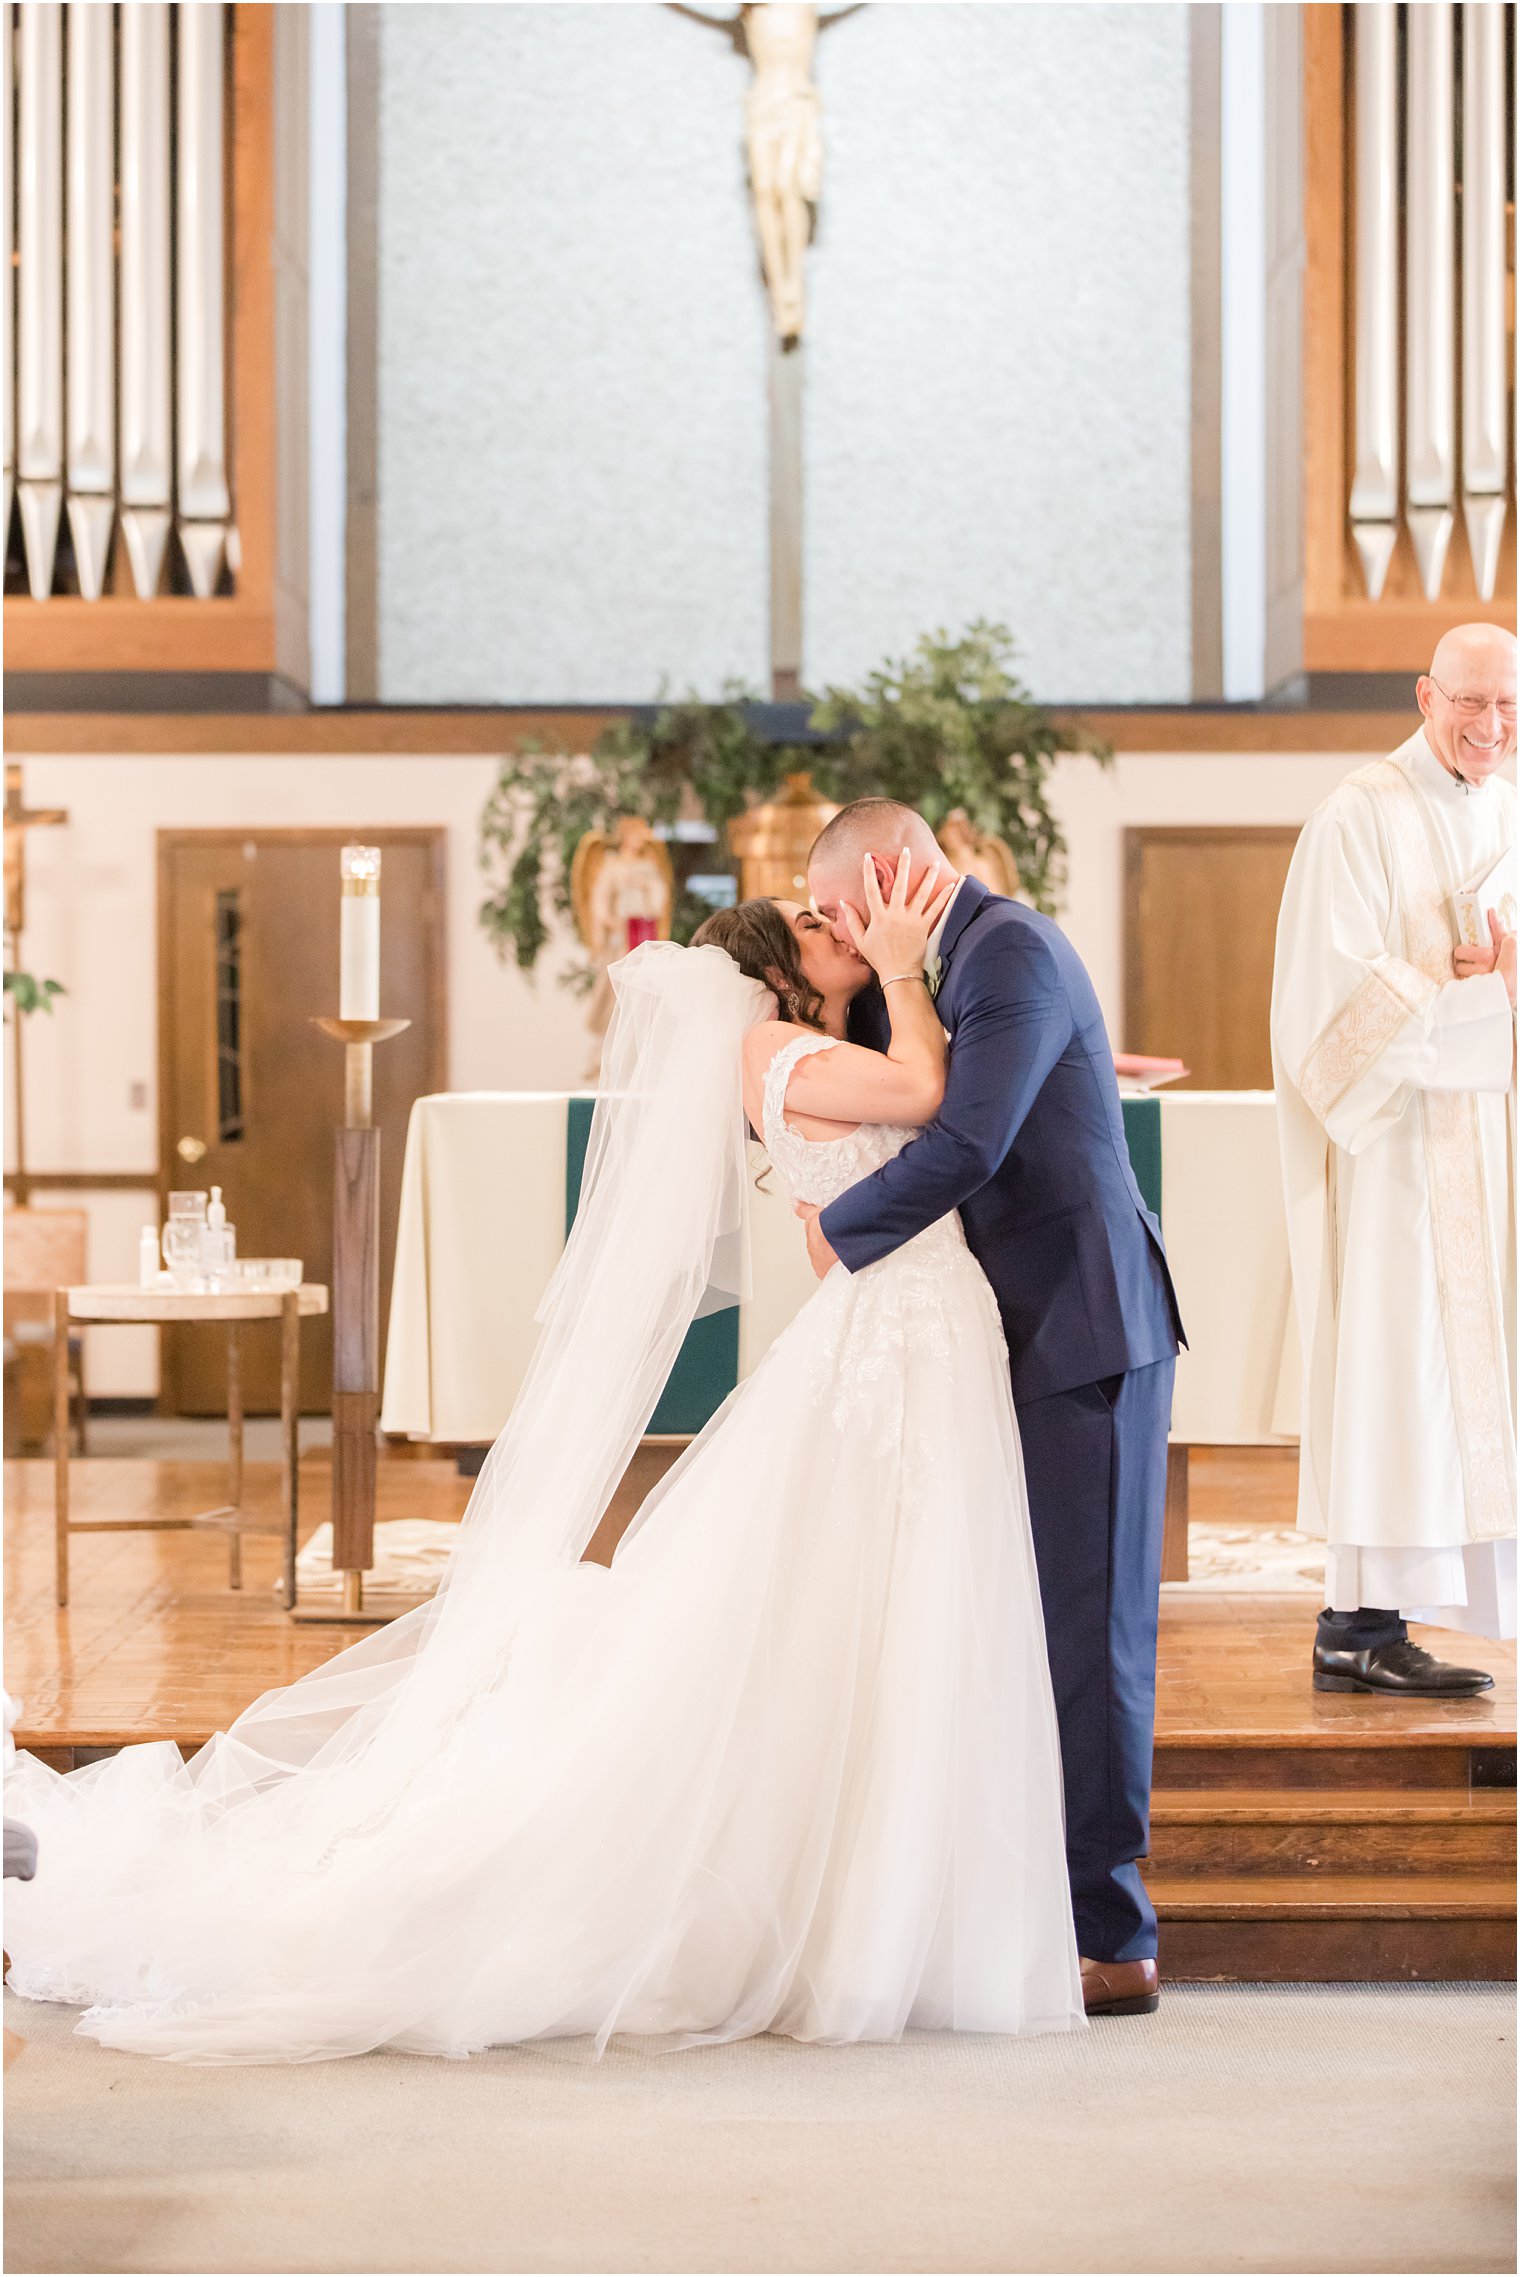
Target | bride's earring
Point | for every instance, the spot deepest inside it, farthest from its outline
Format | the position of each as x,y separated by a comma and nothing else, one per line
786,999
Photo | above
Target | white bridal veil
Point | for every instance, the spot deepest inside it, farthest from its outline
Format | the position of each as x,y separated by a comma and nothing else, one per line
659,1240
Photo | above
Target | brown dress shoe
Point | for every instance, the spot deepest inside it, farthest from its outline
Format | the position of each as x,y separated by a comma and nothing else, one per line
1120,1988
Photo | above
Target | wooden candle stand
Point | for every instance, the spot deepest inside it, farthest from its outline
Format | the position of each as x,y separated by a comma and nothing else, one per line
356,1309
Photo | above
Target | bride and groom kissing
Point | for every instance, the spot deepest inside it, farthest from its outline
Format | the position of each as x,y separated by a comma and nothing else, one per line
854,1734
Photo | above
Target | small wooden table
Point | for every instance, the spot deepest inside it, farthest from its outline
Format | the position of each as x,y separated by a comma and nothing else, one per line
105,1303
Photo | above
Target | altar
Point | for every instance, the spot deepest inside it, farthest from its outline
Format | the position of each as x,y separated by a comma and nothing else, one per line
489,1190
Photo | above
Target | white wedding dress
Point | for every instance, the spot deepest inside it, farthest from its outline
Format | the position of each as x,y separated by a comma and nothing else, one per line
789,1765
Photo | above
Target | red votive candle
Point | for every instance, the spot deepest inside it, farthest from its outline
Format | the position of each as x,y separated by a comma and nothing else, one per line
641,929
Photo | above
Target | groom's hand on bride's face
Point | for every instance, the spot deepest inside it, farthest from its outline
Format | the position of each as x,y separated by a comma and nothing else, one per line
820,1256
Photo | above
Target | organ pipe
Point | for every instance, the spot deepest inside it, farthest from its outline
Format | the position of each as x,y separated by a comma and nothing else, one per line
145,400
39,330
91,368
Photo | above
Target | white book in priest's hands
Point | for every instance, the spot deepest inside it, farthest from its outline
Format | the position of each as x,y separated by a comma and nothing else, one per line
1495,889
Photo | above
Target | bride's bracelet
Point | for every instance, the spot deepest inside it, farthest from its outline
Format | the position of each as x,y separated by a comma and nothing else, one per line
896,976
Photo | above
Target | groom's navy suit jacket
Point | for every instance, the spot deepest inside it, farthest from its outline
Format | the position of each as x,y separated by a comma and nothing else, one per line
1029,1146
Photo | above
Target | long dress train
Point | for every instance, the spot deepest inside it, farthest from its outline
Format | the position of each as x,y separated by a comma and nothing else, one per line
789,1765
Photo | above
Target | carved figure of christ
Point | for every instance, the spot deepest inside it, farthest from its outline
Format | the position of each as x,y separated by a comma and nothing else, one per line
785,146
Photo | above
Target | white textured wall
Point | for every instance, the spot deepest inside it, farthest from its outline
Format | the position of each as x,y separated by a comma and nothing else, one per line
998,374
571,463
573,448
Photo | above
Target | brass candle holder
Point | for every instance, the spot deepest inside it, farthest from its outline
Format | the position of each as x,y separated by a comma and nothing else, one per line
356,1305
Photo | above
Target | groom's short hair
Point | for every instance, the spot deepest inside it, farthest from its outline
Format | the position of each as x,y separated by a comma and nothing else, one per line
869,826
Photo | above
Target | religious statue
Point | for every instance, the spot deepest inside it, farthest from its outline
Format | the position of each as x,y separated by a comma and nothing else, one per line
784,139
622,893
785,149
976,854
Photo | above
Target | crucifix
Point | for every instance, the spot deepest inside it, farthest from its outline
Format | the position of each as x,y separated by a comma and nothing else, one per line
19,819
785,145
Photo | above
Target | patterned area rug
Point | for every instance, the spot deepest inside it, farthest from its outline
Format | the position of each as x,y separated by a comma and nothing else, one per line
410,1555
1266,1561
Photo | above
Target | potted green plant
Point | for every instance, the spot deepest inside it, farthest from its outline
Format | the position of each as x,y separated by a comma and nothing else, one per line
950,726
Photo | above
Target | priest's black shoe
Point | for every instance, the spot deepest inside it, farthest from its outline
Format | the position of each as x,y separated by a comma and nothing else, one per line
1404,1667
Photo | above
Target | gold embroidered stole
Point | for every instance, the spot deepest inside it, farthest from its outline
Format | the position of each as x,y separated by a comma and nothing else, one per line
1361,1031
1469,1296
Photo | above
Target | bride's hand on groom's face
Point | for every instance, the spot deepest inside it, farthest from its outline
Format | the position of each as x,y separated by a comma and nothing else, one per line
893,935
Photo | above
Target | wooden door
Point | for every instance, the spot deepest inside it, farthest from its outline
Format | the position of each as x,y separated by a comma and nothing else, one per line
1200,923
250,1092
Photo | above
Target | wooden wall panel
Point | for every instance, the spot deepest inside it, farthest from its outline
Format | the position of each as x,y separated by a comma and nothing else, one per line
365,734
1200,923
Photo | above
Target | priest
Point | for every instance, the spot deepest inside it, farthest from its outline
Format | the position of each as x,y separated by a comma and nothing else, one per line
1393,1055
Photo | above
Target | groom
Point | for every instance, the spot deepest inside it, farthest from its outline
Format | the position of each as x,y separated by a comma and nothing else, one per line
1029,1147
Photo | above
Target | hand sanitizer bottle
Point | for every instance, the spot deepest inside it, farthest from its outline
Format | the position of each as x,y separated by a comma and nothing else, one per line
218,1243
148,1267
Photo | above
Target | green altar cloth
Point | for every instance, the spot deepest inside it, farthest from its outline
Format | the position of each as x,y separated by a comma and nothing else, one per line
1142,1130
707,1365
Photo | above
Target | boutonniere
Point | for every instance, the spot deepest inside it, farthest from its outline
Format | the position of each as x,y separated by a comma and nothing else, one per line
934,973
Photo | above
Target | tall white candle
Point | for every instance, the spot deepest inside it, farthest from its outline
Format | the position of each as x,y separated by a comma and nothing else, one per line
359,935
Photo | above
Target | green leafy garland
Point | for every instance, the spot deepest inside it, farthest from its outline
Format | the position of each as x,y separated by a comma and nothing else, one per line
950,726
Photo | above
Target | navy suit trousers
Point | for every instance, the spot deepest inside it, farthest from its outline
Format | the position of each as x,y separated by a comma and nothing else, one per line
1095,1462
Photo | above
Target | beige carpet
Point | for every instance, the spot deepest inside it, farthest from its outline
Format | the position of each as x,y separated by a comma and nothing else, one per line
1288,2128
1263,1561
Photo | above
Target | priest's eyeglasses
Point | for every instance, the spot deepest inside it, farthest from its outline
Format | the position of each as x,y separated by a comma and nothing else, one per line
1472,707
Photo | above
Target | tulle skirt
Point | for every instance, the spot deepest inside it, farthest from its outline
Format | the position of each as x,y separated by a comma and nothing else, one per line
789,1765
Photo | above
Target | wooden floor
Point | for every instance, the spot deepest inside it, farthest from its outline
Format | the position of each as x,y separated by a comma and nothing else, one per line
1234,1671
153,1644
1295,1833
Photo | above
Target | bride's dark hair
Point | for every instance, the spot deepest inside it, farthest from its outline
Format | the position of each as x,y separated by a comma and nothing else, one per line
764,947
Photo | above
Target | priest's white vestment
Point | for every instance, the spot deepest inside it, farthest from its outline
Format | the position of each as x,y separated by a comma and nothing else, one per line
1395,1103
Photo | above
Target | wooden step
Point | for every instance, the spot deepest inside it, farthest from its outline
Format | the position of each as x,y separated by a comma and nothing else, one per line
1332,1897
1339,1761
1335,1928
1320,1831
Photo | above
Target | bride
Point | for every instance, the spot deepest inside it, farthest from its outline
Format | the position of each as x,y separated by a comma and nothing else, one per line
790,1764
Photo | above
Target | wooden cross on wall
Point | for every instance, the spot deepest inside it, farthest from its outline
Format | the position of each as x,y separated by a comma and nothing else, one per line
785,172
19,819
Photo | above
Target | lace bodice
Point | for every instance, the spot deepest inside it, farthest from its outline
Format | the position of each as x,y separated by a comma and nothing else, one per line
911,1299
815,1170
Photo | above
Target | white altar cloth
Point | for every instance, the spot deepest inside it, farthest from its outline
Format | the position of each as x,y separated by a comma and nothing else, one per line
1227,1239
481,1228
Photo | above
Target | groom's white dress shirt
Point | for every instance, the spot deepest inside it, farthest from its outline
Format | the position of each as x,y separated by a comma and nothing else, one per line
931,946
